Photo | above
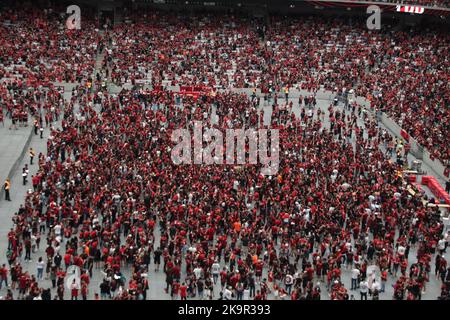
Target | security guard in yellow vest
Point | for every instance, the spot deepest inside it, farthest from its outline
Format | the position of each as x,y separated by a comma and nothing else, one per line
36,126
7,187
32,154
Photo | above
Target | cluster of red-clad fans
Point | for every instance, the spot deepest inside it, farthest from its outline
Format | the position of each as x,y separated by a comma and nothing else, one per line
307,53
36,50
108,197
36,45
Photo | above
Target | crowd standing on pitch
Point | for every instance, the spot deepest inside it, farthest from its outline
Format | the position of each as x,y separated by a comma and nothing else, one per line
107,196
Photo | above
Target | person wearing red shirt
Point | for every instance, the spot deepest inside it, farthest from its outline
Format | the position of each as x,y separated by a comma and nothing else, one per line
24,282
74,290
223,277
176,272
84,290
310,273
258,270
183,291
67,259
3,276
175,290
85,278
258,295
384,275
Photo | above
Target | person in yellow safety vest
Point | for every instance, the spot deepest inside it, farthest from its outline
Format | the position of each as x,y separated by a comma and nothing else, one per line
7,187
36,126
286,92
32,154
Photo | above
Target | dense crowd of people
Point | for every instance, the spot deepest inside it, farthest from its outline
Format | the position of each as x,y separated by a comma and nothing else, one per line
306,53
107,196
187,51
224,51
36,46
21,104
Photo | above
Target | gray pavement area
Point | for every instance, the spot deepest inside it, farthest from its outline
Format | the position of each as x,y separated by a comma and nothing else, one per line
13,142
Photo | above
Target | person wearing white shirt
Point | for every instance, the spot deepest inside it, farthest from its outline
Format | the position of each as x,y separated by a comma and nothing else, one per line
57,229
57,243
198,272
215,270
289,281
33,243
355,275
227,294
376,286
401,250
441,245
40,265
246,295
447,240
363,289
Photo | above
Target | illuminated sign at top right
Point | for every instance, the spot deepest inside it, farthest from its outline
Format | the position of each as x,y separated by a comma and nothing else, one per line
410,9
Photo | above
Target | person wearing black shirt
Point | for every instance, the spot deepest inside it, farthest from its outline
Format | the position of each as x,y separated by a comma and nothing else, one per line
157,258
105,289
46,295
251,285
200,288
57,260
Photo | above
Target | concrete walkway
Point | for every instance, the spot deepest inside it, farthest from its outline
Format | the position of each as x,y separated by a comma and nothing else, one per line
13,145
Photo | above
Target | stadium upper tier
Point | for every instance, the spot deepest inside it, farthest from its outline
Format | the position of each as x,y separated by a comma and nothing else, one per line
425,3
404,73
